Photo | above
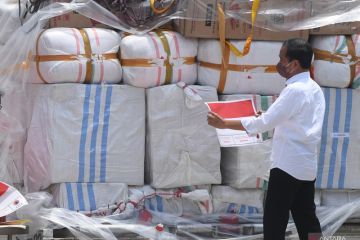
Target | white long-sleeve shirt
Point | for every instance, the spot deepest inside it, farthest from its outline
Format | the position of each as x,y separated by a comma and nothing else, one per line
297,116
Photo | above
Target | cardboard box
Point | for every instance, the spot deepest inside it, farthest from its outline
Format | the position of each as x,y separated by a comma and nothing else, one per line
322,8
235,29
74,20
336,29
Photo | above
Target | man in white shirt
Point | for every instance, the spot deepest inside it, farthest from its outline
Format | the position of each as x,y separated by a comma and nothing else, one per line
297,116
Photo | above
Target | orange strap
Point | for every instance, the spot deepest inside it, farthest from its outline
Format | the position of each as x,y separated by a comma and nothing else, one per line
328,56
224,69
162,10
239,68
87,47
37,54
149,63
73,57
352,52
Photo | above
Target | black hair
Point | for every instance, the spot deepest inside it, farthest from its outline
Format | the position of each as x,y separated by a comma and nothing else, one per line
299,49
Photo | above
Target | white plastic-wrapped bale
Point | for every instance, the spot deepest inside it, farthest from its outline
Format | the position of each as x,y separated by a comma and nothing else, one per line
338,163
246,166
91,198
254,73
70,55
16,107
184,201
85,133
261,103
182,149
356,81
335,61
230,200
158,58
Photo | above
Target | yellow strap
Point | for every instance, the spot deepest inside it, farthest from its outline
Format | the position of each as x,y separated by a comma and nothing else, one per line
352,52
150,63
73,57
165,43
87,47
221,21
226,46
240,68
224,70
160,11
37,54
222,34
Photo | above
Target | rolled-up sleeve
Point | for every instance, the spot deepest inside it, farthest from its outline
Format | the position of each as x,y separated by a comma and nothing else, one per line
288,103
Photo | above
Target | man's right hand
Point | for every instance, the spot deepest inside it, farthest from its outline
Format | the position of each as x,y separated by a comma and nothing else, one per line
215,120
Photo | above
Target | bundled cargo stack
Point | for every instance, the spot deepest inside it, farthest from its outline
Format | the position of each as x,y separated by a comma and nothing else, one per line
239,73
182,151
336,68
118,121
85,140
84,121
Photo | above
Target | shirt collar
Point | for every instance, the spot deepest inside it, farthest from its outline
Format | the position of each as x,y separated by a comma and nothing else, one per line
298,77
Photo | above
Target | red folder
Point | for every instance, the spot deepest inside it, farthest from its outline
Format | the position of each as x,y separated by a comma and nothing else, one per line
233,109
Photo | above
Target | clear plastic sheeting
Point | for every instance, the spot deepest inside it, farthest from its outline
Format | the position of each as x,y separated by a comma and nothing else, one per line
139,16
16,54
167,226
17,44
139,13
312,13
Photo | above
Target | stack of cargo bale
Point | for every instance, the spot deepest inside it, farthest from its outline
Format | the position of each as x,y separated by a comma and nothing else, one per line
86,140
336,68
87,133
244,167
182,151
253,76
95,143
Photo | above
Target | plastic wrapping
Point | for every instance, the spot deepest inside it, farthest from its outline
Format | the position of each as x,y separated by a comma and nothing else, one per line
246,166
254,73
17,54
234,222
57,55
338,163
335,63
182,148
139,13
78,127
91,199
173,61
9,17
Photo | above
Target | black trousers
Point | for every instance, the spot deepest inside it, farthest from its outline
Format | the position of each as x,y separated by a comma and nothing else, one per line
285,194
